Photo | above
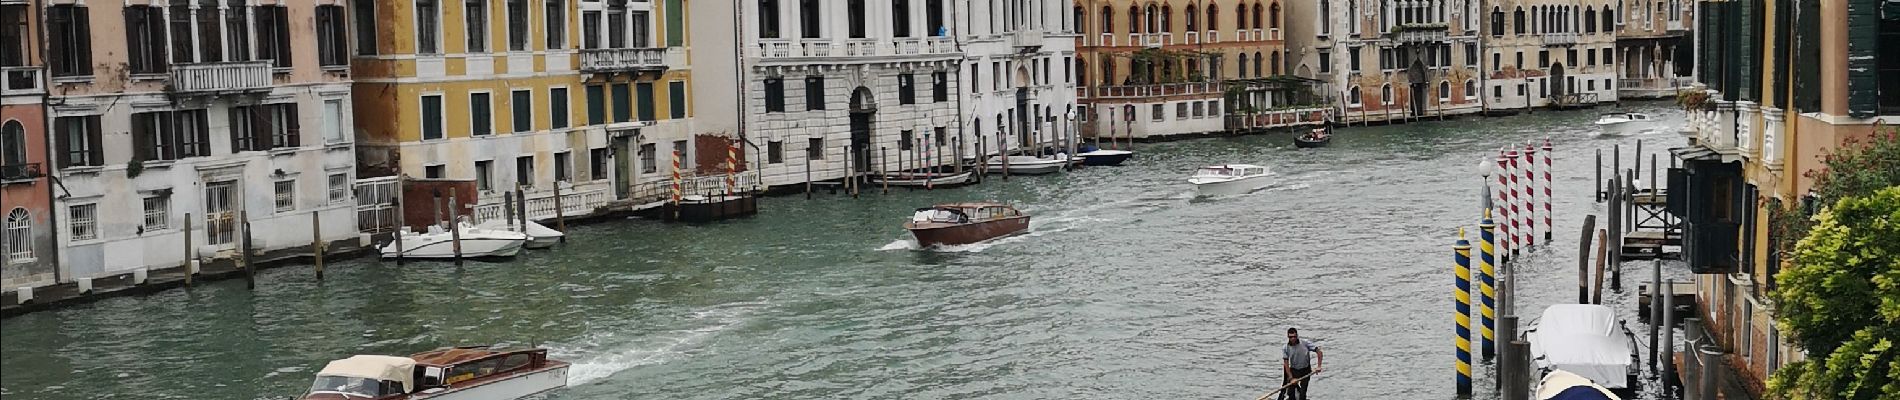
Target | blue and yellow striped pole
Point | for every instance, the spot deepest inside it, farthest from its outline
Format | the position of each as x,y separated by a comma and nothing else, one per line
1487,286
1463,296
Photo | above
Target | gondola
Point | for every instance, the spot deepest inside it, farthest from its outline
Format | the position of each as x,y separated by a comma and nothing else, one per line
1319,137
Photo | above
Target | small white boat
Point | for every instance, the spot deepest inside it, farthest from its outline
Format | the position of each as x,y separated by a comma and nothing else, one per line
1028,165
539,236
1586,340
476,242
1229,179
1622,123
926,179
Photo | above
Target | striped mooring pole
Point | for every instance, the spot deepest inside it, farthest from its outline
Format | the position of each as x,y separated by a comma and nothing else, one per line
1487,286
732,167
1462,295
676,184
1516,217
1504,209
1547,184
1530,195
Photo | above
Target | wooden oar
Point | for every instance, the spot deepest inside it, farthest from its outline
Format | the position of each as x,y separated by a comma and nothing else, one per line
1287,385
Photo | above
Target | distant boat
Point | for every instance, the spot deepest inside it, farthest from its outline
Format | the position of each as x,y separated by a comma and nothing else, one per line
476,242
1093,156
926,179
1229,179
1027,165
1622,123
1319,137
965,223
453,373
1587,340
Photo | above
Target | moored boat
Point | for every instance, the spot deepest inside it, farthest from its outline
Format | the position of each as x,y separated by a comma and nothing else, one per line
1587,340
926,179
965,223
1622,123
1094,156
476,242
1229,179
539,236
1027,165
455,373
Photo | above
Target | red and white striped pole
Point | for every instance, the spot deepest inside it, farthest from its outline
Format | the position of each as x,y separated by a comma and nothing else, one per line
676,178
732,167
1547,184
1505,204
1515,187
1530,195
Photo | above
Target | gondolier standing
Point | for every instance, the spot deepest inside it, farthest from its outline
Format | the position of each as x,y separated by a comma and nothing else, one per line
1299,360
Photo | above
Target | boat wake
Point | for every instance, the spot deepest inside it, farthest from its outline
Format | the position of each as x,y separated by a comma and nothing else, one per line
594,356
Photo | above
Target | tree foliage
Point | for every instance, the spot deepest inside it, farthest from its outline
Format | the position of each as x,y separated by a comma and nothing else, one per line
1840,300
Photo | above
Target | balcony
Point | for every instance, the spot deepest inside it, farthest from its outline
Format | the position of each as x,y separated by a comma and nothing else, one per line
1193,37
1026,39
20,172
21,80
1108,39
221,77
1156,40
1560,39
1142,91
778,49
626,60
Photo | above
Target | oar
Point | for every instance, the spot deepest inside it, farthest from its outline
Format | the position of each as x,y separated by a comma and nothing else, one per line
1289,384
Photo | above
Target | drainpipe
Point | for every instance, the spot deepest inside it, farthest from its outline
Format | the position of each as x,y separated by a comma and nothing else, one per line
738,76
46,142
956,44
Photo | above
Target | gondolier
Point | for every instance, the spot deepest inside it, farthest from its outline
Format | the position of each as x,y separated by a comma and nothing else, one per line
1299,360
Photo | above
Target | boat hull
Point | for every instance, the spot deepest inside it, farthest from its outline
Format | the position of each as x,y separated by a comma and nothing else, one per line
968,233
1618,128
1039,168
1230,188
521,386
931,180
1308,144
424,246
1101,158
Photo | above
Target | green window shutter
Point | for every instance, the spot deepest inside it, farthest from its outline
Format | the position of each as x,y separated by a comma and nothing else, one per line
1747,51
1863,44
675,23
1807,58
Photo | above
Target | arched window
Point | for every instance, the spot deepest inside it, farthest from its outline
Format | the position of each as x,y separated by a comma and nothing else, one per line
12,150
1108,20
1240,17
1193,15
1213,17
1134,20
19,234
1590,20
1081,71
1108,72
1610,18
1471,88
1385,94
1167,19
1243,66
1352,95
1444,90
1517,21
1259,64
1273,16
1153,19
1256,17
1497,21
1275,60
1081,24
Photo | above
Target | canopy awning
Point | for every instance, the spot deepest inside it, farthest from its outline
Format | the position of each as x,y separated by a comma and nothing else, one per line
387,368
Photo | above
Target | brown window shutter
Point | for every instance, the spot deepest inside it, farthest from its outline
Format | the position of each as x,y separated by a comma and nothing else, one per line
95,148
290,125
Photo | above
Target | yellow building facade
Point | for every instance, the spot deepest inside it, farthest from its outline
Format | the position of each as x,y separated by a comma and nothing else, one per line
588,94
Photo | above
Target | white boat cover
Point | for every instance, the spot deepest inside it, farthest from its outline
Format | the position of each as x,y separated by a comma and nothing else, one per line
1562,385
1582,339
388,368
536,230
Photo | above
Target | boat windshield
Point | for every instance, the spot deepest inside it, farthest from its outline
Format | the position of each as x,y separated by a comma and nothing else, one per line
353,386
1215,171
937,215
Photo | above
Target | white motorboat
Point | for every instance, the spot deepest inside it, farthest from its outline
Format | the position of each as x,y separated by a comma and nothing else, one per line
1027,165
1229,179
476,242
1622,123
926,179
539,236
1587,340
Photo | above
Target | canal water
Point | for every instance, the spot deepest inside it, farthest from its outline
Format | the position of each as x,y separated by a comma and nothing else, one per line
1127,288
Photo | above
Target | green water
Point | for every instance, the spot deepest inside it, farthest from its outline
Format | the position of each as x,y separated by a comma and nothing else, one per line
1126,289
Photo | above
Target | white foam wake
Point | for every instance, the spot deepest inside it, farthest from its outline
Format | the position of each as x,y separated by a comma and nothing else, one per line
602,354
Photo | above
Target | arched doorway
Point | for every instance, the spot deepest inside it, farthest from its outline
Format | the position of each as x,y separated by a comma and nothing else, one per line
863,116
1419,87
1024,127
1556,82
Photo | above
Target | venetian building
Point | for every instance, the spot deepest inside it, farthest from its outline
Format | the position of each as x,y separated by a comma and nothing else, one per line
1556,53
1652,40
1154,68
1391,61
29,251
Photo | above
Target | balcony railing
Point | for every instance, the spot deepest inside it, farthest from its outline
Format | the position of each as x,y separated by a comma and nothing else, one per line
1193,37
662,189
1213,36
1560,39
860,47
867,47
20,172
1108,39
1421,36
622,60
1243,35
1273,34
231,76
1164,89
1156,40
21,80
540,205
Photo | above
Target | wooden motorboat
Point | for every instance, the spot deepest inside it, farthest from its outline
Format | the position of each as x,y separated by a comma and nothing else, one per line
1027,165
926,179
1622,123
476,242
455,373
1229,179
965,223
1093,156
1319,137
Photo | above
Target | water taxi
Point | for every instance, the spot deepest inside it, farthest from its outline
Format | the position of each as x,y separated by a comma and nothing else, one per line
965,223
1229,179
454,373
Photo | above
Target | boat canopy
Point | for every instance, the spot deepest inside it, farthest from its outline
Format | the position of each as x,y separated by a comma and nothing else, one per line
934,214
1582,339
384,368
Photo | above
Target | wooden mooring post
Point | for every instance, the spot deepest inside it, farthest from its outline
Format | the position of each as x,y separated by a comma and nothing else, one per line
316,242
1583,259
560,214
244,250
191,261
455,231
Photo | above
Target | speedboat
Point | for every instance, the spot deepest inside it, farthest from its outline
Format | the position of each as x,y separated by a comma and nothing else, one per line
1563,385
539,236
965,223
1229,179
926,179
1622,123
1093,156
1319,137
1586,340
1027,165
454,373
476,242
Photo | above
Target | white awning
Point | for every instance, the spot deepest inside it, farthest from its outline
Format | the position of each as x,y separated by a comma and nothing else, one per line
388,368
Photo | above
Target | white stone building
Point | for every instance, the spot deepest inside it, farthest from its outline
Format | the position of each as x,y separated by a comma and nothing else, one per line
1018,74
1389,60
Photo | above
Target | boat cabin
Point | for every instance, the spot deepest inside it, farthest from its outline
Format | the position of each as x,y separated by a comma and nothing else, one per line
434,371
963,213
1230,171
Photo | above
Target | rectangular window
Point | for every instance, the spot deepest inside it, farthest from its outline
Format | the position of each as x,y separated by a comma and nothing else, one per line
79,141
524,171
286,199
83,221
814,93
522,111
432,117
283,127
679,152
434,171
518,25
485,175
676,99
339,188
940,87
1200,110
1570,57
157,213
210,44
557,108
774,152
1325,59
475,25
623,102
145,39
69,51
907,139
596,105
815,148
170,135
1591,57
333,43
617,25
643,94
481,117
554,24
942,136
641,29
975,78
273,34
774,94
1471,54
900,18
333,122
1181,109
590,30
428,27
1159,113
1497,92
598,163
648,163
564,166
1497,61
365,27
180,21
1543,59
1352,59
906,89
1607,59
237,29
